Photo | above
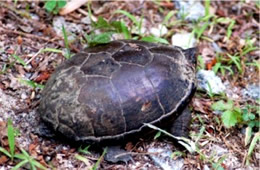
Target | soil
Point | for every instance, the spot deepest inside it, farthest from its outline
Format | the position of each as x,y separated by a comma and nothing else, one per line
26,28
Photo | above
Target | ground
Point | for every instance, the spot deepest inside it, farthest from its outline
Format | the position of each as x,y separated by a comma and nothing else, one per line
228,43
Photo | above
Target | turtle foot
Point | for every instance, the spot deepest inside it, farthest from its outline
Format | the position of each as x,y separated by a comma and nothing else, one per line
116,154
43,130
181,125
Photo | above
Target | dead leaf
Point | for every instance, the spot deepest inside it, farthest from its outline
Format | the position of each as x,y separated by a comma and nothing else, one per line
3,159
19,40
42,77
210,64
201,105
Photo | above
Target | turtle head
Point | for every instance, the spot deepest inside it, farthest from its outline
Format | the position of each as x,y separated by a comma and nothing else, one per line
191,55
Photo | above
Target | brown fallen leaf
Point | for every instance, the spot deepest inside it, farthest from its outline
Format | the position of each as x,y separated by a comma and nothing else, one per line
210,64
42,161
3,159
32,150
129,146
42,77
19,40
3,131
201,105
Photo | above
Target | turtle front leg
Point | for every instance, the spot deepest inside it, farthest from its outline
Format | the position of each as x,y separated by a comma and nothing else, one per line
181,125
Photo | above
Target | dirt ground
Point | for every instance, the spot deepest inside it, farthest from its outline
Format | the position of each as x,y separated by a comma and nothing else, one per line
26,28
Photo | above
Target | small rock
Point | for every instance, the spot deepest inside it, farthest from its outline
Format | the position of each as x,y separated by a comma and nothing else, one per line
252,91
184,40
24,96
218,150
208,78
205,167
70,28
192,10
216,47
159,30
164,160
86,20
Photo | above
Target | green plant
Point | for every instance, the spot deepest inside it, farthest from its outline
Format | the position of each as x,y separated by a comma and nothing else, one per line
11,141
230,27
54,6
200,28
233,115
254,63
251,147
154,39
66,42
219,66
19,60
24,156
85,150
31,83
201,63
191,146
107,30
137,24
95,39
207,7
185,142
85,160
225,63
235,59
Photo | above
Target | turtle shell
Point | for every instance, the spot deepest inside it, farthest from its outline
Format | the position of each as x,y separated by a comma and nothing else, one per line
111,90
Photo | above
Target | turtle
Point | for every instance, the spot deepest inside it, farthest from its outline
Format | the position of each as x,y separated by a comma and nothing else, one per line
110,91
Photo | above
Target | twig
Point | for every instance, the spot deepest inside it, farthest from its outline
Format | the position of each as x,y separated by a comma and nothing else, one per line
6,31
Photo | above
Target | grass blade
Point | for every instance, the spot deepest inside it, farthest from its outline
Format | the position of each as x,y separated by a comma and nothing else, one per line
155,39
20,164
187,143
51,50
66,42
83,159
38,164
3,150
11,139
99,160
252,146
19,60
130,16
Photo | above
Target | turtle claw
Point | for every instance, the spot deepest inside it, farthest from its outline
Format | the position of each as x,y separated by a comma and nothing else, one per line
116,154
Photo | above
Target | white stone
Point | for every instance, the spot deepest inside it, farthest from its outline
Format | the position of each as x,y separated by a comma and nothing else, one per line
207,80
159,31
164,159
184,40
191,9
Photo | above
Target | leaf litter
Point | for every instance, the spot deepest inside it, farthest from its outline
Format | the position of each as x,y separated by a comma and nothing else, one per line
25,31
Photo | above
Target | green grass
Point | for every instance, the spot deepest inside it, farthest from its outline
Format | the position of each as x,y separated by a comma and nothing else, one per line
23,156
31,83
86,161
84,150
53,6
66,42
27,159
233,115
19,60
